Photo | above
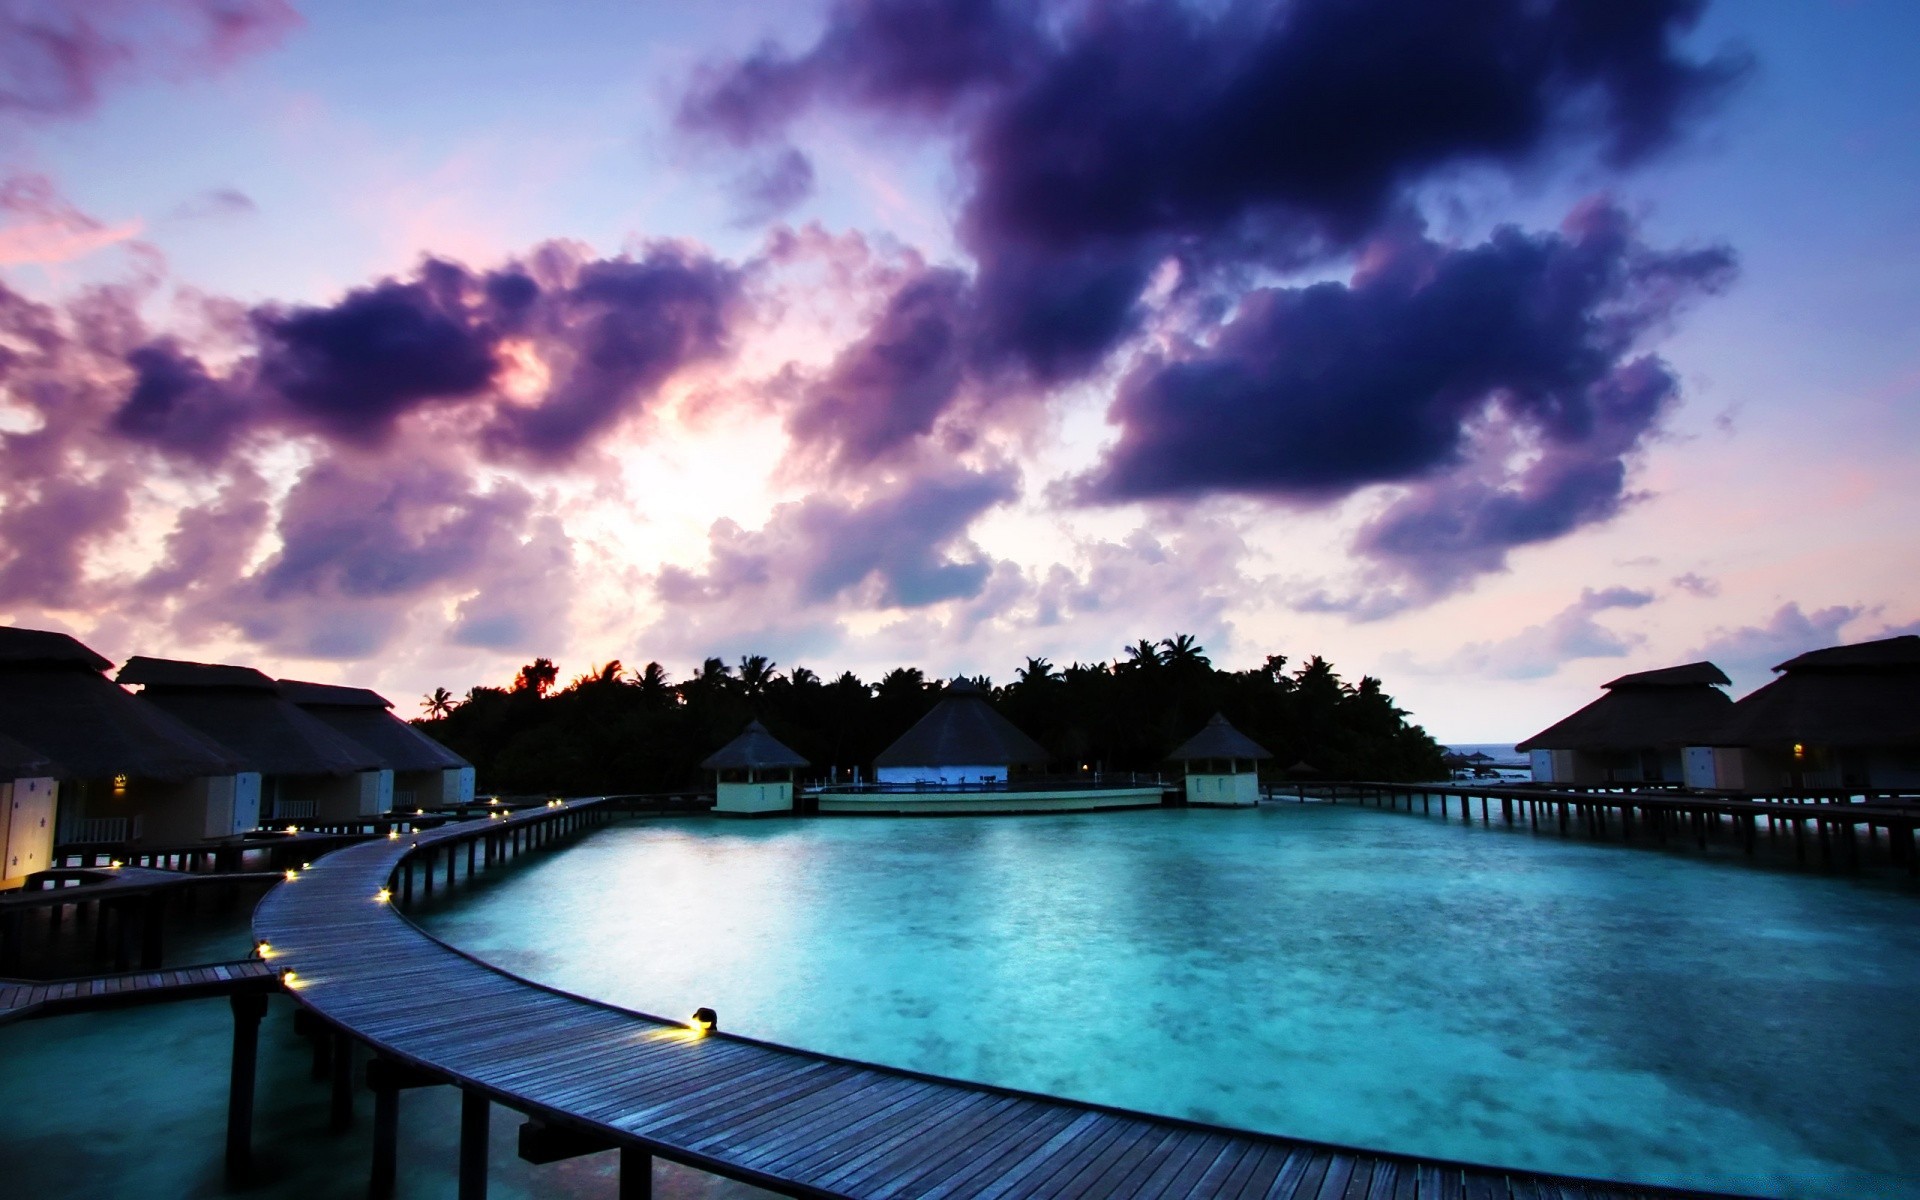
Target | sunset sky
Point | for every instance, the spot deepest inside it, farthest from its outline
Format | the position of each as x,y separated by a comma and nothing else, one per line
1492,347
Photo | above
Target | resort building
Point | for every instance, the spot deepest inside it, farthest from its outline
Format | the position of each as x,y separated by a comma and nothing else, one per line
754,773
1843,717
1222,765
27,790
129,772
307,771
1637,732
425,773
962,758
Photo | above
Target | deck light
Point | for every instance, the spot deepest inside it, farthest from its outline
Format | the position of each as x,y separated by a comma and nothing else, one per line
306,866
119,784
292,874
116,864
419,812
703,1021
383,895
493,799
264,950
290,980
1799,751
291,829
393,835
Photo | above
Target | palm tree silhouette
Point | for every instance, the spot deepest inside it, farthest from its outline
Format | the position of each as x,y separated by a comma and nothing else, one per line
438,703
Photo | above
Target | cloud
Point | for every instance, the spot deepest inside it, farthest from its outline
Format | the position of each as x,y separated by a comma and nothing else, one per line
215,204
544,356
56,58
773,186
1099,140
1540,650
1697,585
39,225
1747,653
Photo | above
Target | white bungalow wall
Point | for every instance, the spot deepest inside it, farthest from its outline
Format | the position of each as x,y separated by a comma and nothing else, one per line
941,775
1236,789
207,807
26,835
763,796
336,798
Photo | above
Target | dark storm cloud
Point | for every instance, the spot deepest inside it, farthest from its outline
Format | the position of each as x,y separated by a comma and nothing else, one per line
623,327
888,388
56,56
1309,393
610,332
1101,139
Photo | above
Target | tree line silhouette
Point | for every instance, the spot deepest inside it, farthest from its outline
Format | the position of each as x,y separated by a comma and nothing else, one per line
614,731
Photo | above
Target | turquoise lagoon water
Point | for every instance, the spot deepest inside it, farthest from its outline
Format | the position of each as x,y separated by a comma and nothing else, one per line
1358,976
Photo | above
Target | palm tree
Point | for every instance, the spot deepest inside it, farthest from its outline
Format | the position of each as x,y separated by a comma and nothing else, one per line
1184,650
1144,655
652,682
756,672
536,677
1037,673
438,703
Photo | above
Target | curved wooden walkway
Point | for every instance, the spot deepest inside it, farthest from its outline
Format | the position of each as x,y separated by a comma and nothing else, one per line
788,1120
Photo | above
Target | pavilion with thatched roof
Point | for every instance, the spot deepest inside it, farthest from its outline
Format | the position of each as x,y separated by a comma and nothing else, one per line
1636,732
1842,717
128,771
754,773
1222,764
425,773
962,758
307,769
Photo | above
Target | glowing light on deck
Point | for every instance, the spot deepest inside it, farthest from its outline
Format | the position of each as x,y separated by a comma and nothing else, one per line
383,895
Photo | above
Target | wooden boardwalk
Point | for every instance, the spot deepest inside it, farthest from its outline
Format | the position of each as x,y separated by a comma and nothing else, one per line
788,1120
22,998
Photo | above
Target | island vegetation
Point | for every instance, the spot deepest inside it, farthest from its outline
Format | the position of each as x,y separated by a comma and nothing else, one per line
613,730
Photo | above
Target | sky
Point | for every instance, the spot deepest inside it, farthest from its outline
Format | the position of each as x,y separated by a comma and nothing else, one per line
1493,348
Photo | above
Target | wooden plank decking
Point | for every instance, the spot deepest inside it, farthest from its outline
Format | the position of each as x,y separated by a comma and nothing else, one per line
792,1121
22,998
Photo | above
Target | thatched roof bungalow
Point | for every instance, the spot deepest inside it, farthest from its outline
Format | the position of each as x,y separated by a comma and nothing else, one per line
1842,717
308,771
962,740
129,771
425,773
1636,732
1222,764
755,773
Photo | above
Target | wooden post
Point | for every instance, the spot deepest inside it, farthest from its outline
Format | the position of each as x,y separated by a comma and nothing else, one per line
340,1112
386,1135
636,1174
248,1009
471,843
474,1110
406,882
152,925
450,850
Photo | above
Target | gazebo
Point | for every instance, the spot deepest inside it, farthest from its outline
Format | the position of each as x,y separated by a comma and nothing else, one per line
1636,732
425,773
753,773
962,740
1222,765
306,769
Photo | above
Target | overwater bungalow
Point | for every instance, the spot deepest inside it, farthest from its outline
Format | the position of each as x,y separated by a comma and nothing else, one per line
1637,732
1222,765
963,757
128,772
307,770
754,773
27,790
1842,717
425,773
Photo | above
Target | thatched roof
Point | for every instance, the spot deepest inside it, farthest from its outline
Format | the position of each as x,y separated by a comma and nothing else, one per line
755,749
1866,695
1894,655
1678,707
32,649
332,695
1218,739
1686,675
94,730
22,762
962,731
152,673
362,715
242,710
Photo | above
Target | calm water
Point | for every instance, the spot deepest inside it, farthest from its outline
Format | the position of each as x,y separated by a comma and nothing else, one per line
1352,975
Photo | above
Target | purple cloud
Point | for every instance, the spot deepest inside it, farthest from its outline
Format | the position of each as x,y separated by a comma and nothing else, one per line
56,57
1540,650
